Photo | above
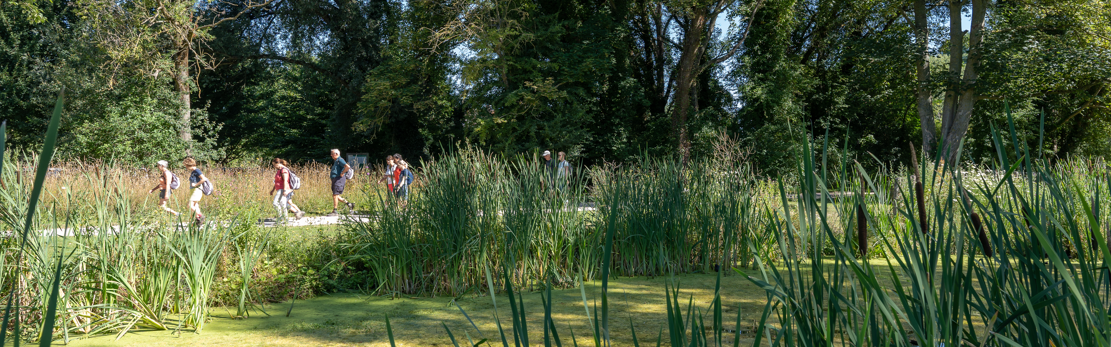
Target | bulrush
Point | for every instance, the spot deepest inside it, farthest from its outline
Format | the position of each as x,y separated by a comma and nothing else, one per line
976,223
861,230
920,196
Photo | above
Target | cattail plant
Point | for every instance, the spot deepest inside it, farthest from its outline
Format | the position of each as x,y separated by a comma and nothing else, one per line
983,235
920,198
861,229
919,191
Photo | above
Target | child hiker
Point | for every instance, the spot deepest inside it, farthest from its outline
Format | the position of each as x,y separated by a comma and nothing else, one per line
196,179
165,177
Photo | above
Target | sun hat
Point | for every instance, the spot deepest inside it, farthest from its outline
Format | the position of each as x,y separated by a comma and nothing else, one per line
546,153
163,163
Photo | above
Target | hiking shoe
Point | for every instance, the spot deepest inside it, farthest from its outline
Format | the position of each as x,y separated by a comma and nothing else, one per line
300,214
333,214
351,206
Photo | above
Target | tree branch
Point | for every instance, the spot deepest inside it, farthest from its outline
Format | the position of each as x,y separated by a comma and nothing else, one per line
237,15
309,65
740,42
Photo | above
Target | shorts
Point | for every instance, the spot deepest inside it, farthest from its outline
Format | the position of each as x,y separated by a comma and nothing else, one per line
197,194
337,185
403,193
164,194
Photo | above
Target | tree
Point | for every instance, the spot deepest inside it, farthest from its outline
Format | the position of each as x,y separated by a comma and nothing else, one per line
157,36
961,88
698,18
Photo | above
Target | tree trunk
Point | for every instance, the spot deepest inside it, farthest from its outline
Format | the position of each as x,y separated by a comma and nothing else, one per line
953,79
181,86
686,76
925,95
962,115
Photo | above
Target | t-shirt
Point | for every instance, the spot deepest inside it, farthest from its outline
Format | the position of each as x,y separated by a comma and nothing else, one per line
563,167
551,164
279,183
195,177
390,179
337,167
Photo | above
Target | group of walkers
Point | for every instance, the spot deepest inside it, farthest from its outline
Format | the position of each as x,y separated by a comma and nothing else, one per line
558,170
167,182
286,184
397,176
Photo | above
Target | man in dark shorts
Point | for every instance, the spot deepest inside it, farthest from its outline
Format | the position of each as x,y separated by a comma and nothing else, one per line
339,180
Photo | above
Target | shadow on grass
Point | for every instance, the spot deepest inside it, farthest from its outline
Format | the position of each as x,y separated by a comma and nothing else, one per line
353,319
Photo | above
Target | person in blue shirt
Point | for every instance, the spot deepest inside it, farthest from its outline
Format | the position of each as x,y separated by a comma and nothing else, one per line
403,183
339,180
196,178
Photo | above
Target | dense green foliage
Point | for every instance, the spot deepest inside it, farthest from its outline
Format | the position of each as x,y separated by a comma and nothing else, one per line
598,80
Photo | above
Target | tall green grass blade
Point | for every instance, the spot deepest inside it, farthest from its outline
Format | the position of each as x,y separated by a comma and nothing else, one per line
450,335
389,332
4,324
466,316
52,304
3,144
45,158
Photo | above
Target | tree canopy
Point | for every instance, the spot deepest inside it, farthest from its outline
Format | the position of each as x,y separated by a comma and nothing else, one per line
238,80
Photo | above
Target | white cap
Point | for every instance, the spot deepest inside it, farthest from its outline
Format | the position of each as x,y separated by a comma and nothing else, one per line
546,153
163,163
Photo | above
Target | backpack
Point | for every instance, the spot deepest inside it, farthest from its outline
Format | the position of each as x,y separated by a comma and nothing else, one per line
408,176
294,181
174,182
206,186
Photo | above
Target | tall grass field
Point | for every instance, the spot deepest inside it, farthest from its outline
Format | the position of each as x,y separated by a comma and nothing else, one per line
1014,253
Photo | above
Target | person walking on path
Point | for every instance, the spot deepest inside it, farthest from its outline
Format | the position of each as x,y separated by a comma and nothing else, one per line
339,180
549,169
281,189
563,171
165,177
390,175
403,183
397,160
196,179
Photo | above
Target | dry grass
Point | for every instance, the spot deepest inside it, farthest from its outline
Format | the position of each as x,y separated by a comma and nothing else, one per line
71,186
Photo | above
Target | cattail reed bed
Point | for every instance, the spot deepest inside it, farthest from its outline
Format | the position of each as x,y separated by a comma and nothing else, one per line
481,223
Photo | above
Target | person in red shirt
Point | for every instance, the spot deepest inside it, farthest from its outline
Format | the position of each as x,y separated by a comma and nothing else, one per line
397,161
390,175
282,188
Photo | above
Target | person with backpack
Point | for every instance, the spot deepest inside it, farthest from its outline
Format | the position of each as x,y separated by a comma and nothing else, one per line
397,173
406,179
341,172
294,185
201,187
167,182
282,188
391,174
